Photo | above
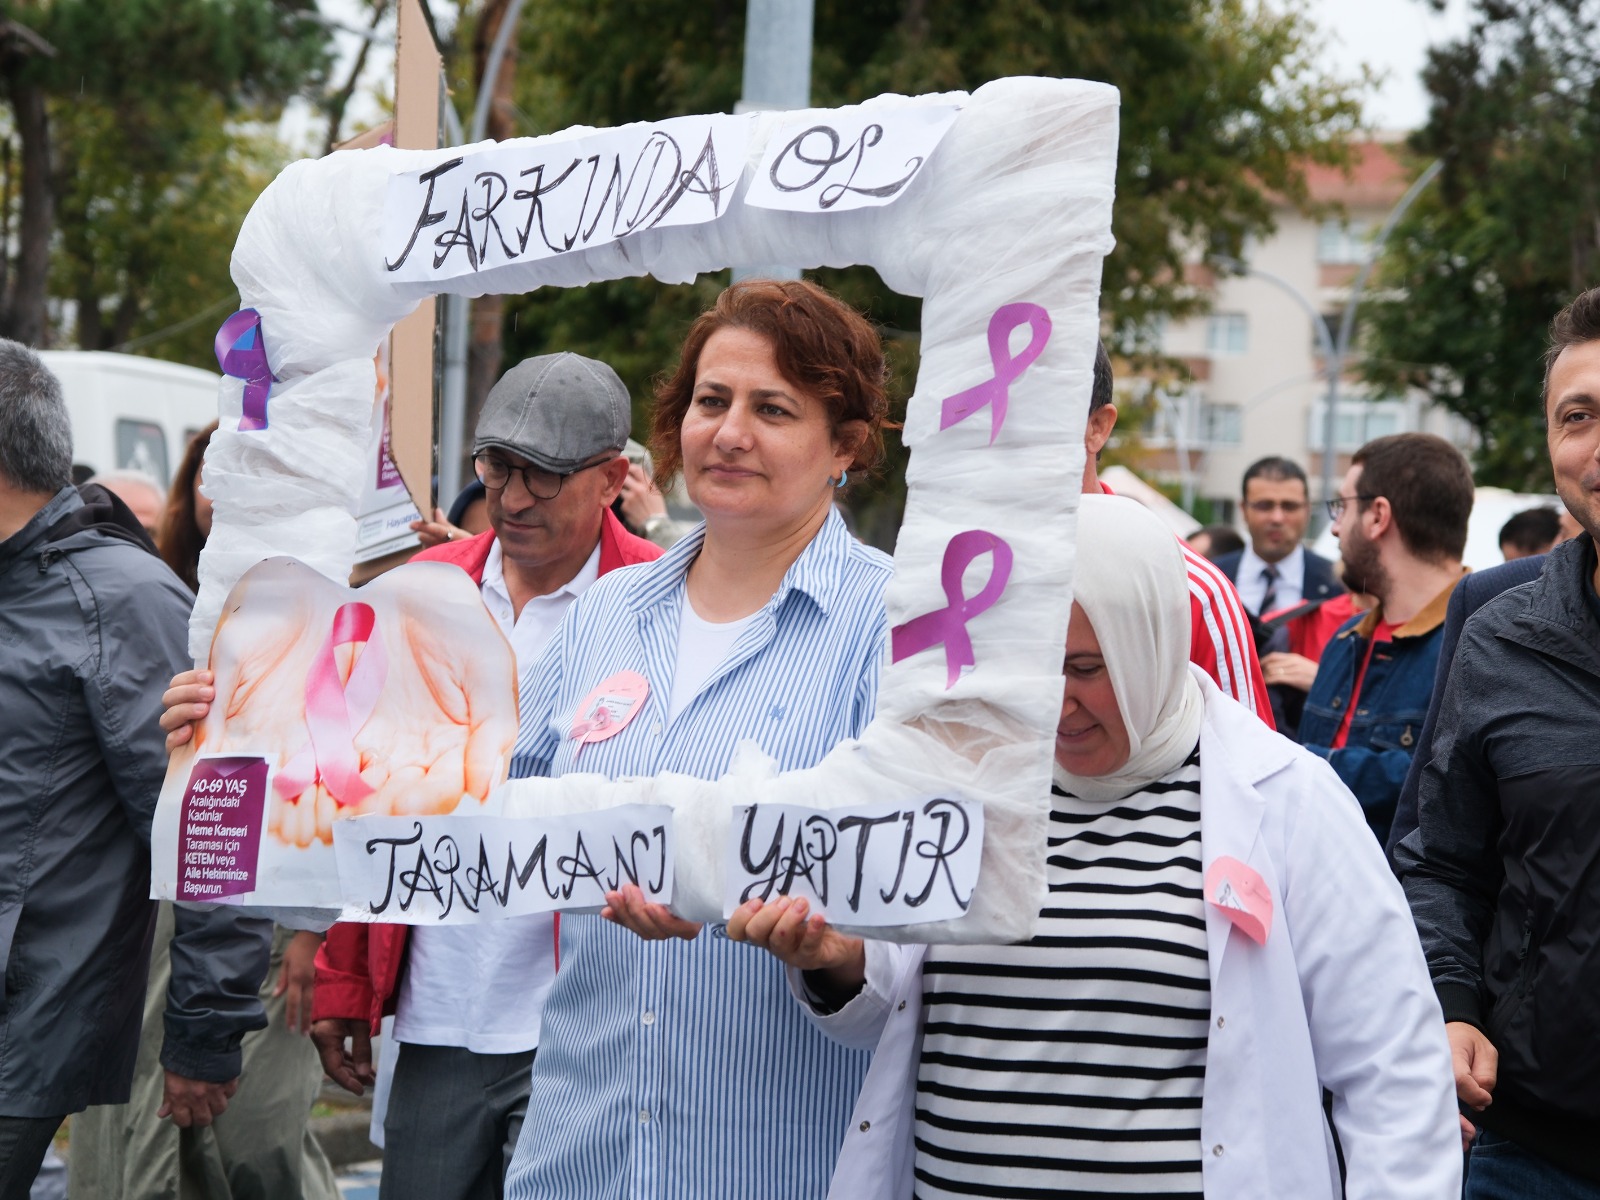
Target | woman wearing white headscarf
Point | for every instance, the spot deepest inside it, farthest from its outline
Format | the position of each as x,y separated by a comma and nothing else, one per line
1222,942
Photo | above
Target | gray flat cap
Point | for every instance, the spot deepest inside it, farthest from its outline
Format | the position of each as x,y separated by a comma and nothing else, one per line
559,411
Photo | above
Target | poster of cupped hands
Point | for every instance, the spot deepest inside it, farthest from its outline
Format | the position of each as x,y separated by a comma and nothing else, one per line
395,699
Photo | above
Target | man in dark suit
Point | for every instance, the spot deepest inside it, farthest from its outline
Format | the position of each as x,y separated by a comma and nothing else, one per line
1275,571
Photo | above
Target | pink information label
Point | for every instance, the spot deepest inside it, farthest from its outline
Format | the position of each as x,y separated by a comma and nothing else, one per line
219,834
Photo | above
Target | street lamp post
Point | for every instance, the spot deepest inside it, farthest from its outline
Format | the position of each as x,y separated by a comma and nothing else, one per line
1335,348
1347,321
777,75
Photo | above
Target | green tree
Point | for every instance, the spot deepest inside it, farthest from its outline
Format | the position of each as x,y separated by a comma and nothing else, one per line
1508,234
1222,107
139,147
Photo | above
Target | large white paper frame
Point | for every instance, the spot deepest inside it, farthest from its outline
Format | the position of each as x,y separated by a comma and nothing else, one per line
1012,208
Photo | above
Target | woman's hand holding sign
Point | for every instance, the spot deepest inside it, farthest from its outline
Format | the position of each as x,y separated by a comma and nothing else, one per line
787,929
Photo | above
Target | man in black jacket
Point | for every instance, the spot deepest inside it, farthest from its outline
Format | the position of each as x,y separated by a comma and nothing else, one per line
1500,870
92,625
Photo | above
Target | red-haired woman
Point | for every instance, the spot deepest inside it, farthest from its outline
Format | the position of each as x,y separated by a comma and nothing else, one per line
765,624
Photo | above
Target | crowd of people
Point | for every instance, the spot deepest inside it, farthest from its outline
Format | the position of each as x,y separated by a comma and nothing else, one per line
1321,916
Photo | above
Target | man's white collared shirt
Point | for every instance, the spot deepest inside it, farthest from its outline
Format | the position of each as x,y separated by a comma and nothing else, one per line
1252,582
529,632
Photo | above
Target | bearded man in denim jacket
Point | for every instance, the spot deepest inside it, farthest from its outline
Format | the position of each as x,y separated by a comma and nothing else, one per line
1401,519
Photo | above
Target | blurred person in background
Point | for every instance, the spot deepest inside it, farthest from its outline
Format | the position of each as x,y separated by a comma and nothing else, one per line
467,518
643,507
261,1148
91,624
1214,541
1530,532
1401,519
1275,571
140,492
186,523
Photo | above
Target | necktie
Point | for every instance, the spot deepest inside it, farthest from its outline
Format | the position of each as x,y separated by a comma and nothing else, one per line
1269,598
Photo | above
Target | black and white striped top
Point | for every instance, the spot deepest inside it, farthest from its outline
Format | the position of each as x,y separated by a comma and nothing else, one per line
1073,1066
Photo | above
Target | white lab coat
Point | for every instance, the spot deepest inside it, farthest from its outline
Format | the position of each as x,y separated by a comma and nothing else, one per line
1338,997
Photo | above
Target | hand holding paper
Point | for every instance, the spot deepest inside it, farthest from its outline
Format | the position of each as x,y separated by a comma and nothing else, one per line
653,922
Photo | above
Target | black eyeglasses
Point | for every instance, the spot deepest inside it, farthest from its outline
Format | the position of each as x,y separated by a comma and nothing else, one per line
495,473
1336,506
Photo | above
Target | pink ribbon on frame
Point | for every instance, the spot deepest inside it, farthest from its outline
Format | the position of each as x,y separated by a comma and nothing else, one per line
995,392
242,354
336,711
949,624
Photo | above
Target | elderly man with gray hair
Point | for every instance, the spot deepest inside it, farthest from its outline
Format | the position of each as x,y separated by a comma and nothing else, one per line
92,625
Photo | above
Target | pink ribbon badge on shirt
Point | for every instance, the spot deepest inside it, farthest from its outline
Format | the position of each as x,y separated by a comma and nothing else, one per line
241,354
995,392
1242,895
609,708
949,624
336,710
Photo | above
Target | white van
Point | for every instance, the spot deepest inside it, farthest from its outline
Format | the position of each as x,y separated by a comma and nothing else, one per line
130,412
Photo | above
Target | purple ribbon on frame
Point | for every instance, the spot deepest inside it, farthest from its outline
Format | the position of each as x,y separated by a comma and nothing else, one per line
948,626
242,354
996,391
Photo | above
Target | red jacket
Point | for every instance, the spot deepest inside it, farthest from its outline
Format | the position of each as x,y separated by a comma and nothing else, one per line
359,964
1220,641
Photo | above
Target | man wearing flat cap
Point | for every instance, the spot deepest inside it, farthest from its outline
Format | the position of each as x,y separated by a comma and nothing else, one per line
467,999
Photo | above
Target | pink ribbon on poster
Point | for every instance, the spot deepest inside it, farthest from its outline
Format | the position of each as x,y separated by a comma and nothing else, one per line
949,625
242,354
995,392
336,711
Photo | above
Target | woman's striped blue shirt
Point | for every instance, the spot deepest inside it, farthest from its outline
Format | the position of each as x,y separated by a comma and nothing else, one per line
683,1070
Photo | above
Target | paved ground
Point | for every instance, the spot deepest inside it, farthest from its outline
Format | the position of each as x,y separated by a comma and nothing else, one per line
359,1181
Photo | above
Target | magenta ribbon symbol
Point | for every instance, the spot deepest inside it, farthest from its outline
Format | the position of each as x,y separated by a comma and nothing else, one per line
949,624
335,711
996,392
242,354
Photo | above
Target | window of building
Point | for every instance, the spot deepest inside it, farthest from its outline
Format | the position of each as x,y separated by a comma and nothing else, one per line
1227,333
1221,424
1340,243
1358,421
142,446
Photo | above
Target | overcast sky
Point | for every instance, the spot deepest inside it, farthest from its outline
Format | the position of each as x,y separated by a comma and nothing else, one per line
1391,36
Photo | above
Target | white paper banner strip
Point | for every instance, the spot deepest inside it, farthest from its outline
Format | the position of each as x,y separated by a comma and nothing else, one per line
454,870
527,199
853,158
861,865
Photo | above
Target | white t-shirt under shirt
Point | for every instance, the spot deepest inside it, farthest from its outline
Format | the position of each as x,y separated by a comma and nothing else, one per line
702,647
483,986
